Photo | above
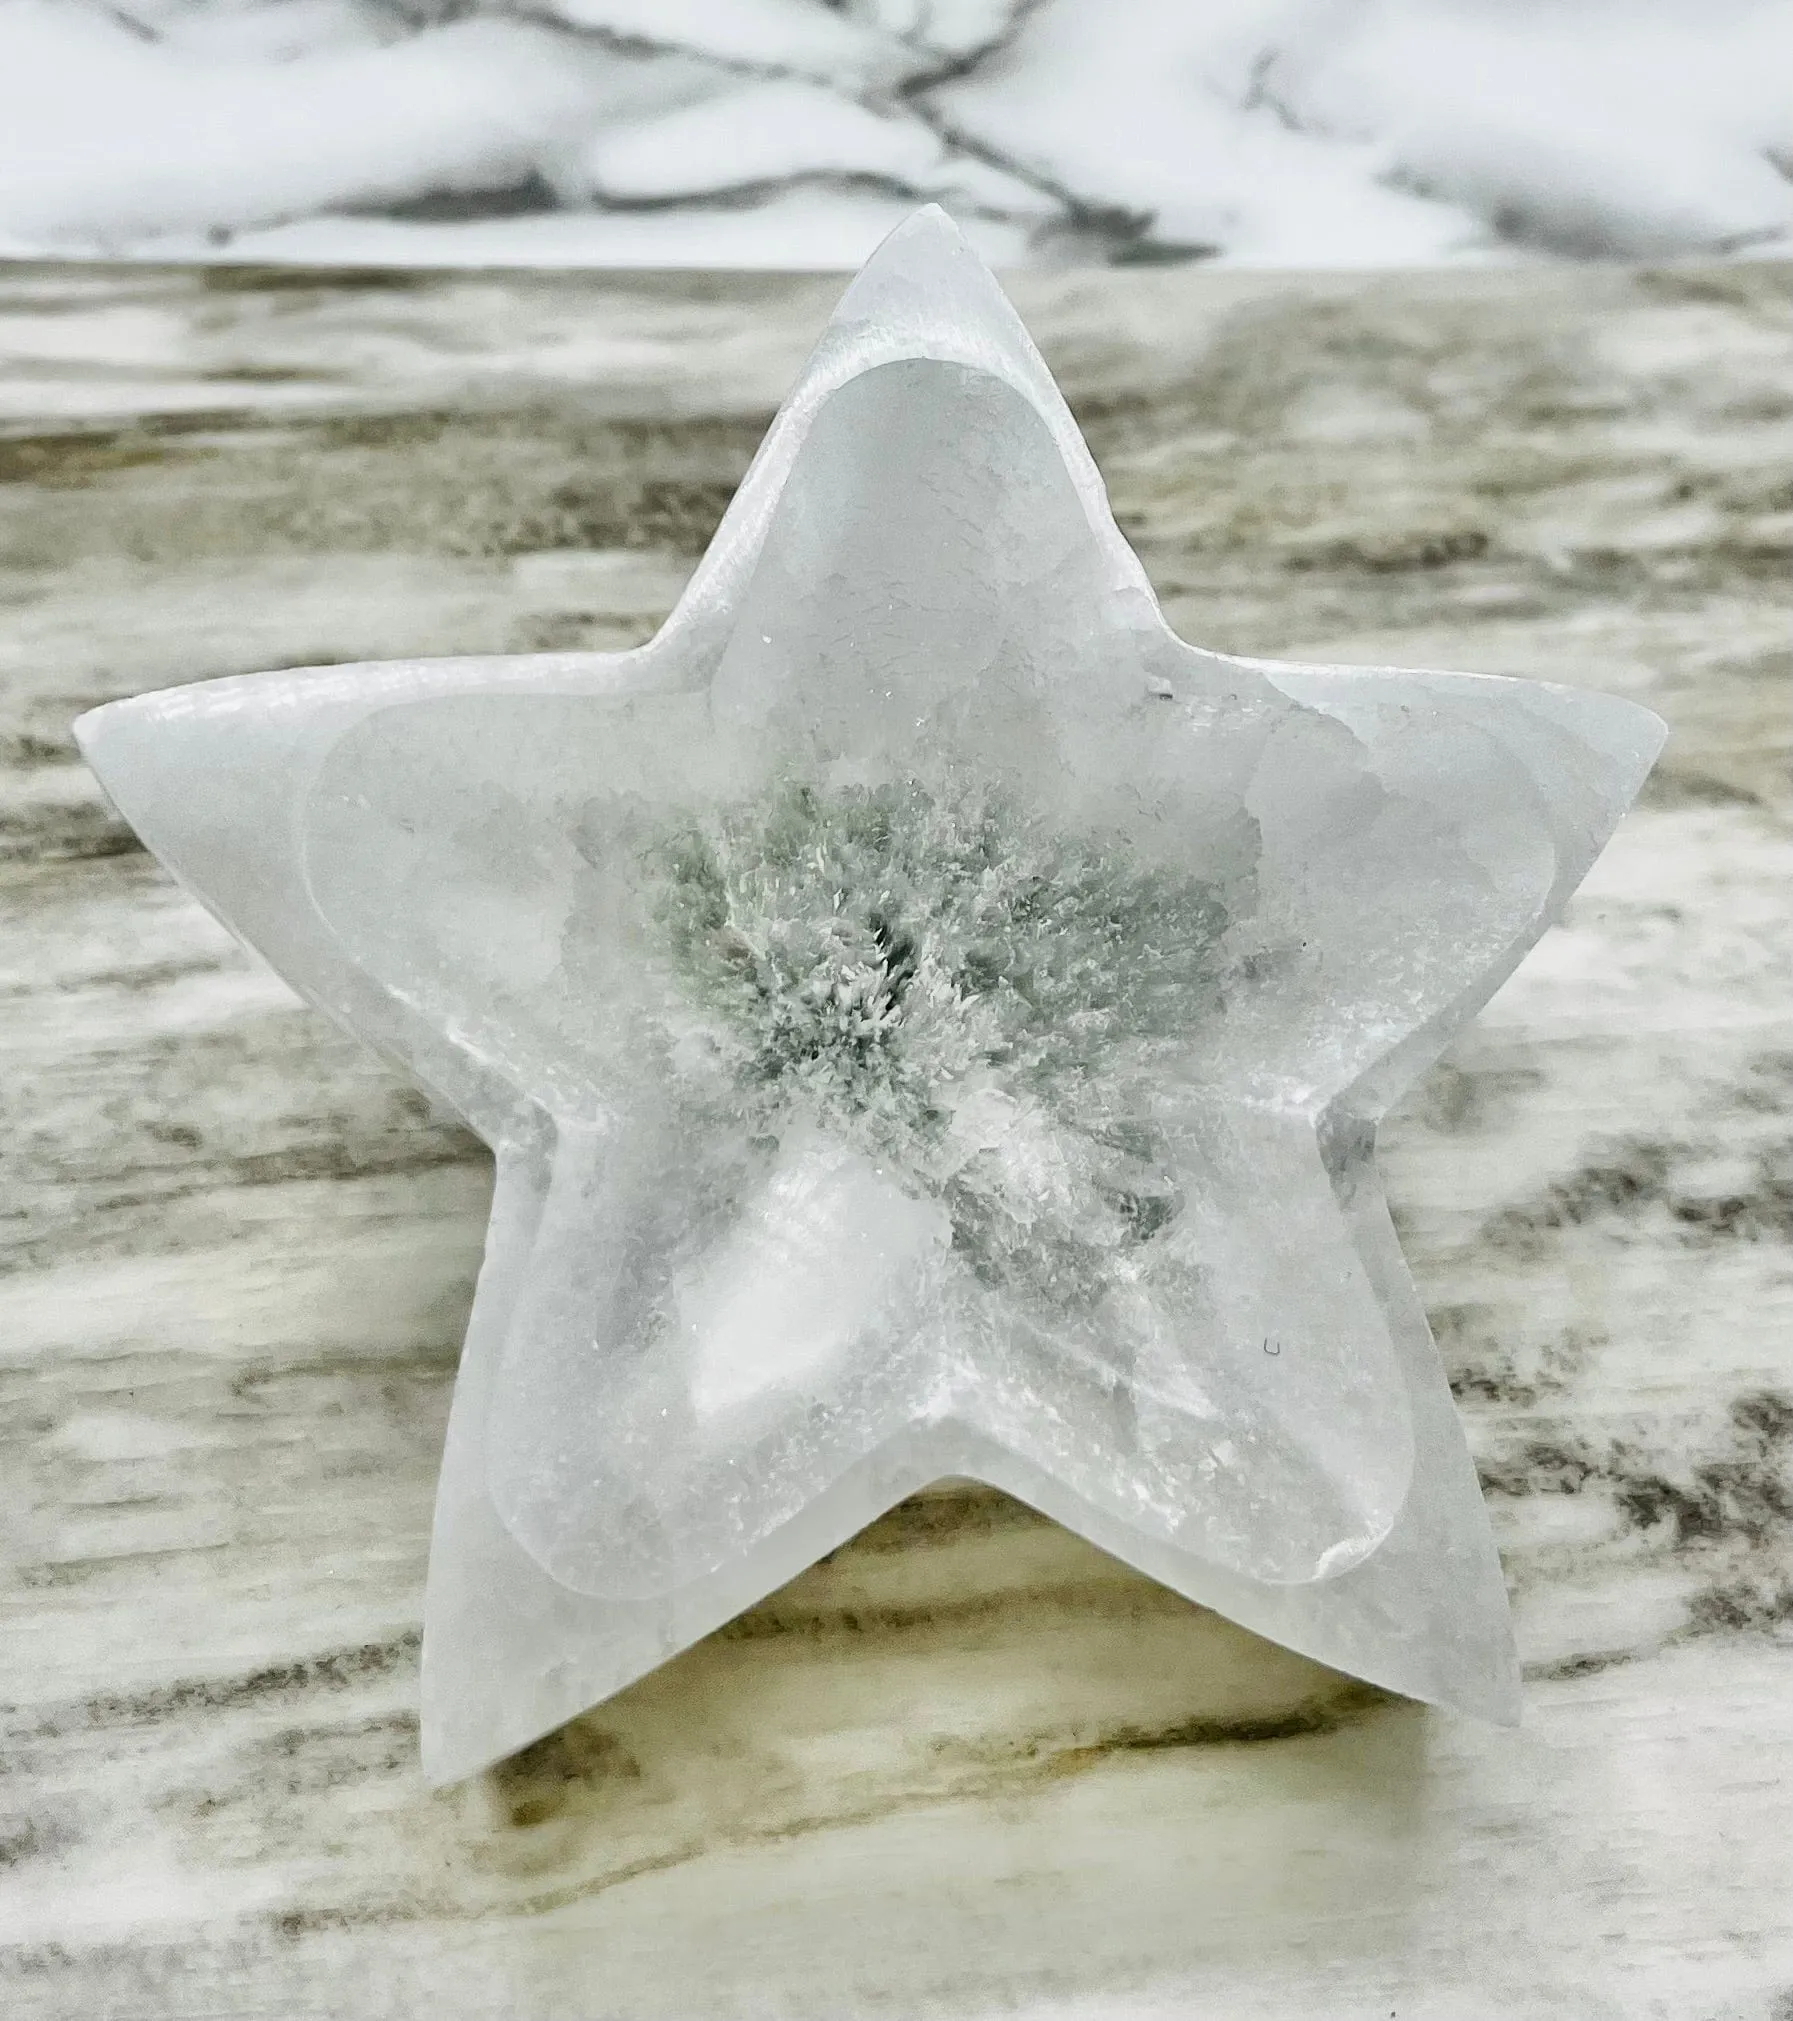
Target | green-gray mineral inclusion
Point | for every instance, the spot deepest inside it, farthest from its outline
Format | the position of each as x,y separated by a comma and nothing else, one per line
886,957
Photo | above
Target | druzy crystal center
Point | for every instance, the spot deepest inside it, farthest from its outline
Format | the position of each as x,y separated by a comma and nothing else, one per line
966,994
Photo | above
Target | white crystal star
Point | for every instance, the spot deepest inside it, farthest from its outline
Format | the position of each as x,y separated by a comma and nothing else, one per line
929,1019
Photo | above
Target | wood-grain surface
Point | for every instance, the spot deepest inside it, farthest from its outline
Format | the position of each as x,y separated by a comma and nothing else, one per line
967,1766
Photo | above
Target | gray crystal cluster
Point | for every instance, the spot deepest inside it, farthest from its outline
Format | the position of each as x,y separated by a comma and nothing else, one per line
929,1019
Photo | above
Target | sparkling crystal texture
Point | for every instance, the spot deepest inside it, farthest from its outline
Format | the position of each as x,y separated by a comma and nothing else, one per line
929,1019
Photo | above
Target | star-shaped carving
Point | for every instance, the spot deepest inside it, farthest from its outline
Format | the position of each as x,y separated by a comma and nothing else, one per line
929,1020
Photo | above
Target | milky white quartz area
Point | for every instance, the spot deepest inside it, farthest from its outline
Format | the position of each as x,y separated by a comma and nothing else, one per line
930,1020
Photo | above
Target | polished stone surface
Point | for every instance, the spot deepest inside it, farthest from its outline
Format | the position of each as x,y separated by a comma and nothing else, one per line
930,1022
967,1766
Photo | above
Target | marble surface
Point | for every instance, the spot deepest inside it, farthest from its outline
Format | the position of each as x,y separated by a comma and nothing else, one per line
967,1766
796,133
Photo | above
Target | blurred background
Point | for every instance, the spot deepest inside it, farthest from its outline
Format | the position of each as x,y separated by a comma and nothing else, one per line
794,133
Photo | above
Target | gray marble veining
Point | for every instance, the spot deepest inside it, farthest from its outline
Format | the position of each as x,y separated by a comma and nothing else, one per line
795,133
967,1765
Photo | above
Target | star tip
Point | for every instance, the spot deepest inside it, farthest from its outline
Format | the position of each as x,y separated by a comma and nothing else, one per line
930,217
1631,738
444,1758
1648,732
104,738
89,725
927,277
93,729
439,1774
928,236
1620,741
1503,1704
1502,1701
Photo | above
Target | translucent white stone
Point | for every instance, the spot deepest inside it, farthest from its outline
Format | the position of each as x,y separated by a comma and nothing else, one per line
930,1020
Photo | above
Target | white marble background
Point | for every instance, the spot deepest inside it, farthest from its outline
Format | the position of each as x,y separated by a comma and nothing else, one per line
767,133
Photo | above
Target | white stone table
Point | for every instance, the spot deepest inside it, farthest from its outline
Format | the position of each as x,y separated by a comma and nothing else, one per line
967,1767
